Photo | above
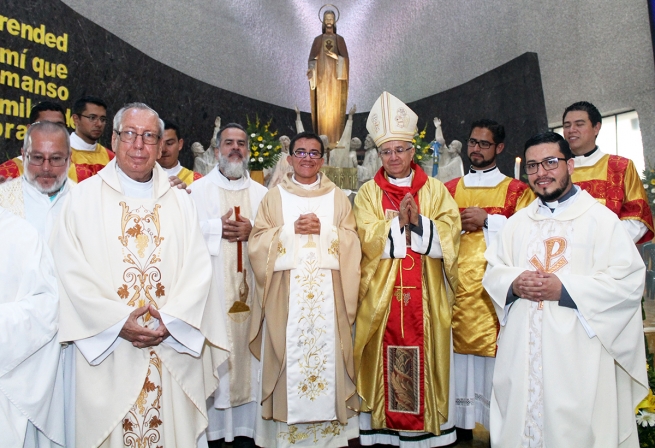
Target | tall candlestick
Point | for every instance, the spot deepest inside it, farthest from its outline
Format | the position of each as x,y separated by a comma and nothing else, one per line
517,168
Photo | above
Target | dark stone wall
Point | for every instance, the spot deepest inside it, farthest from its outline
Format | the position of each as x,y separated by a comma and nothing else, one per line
99,63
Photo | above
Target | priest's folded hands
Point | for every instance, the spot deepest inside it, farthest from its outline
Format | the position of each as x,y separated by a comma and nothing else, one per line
308,224
140,336
537,286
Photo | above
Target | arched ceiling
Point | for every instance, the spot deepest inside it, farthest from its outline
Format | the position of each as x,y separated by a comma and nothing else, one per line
591,49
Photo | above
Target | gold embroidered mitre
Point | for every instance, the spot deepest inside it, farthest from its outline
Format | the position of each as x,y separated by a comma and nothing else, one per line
391,119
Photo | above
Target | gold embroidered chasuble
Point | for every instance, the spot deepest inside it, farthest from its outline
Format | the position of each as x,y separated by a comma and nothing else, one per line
377,288
114,254
272,306
475,324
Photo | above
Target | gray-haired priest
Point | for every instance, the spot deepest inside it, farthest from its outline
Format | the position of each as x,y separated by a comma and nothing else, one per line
409,226
135,273
305,254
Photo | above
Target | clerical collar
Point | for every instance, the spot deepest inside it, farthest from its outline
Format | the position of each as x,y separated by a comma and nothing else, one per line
173,171
133,188
587,154
79,144
402,181
568,195
312,186
472,171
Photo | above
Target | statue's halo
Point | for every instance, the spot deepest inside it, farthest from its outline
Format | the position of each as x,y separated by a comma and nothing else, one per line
336,19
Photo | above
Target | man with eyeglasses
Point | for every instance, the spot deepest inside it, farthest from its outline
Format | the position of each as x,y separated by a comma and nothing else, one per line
409,226
90,118
134,277
486,198
611,179
305,254
227,200
566,282
44,111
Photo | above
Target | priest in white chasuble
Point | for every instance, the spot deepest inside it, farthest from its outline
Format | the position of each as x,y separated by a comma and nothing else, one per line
409,226
135,273
31,402
566,281
227,201
305,254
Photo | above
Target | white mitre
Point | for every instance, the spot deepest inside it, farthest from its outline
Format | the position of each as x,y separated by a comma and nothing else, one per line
391,119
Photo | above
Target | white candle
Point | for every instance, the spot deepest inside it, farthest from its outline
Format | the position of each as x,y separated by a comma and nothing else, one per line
517,168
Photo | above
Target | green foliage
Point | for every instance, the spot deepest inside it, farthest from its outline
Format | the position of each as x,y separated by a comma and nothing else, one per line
264,147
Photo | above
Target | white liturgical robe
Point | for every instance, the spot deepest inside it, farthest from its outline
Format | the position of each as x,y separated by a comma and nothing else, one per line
31,384
233,410
568,375
120,245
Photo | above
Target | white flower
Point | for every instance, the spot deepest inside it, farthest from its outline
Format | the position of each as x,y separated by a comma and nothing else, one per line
269,147
652,190
645,186
261,159
252,160
261,145
418,147
253,135
645,418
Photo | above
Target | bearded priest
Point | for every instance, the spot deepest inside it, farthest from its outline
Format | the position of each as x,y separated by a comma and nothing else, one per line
305,254
409,226
134,276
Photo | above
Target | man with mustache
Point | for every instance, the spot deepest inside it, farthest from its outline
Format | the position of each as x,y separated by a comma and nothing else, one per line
39,193
233,408
566,281
611,179
486,198
305,253
173,144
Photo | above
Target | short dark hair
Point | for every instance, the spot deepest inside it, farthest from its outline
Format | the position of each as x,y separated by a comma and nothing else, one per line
42,107
585,106
80,105
549,137
228,126
170,125
498,130
307,135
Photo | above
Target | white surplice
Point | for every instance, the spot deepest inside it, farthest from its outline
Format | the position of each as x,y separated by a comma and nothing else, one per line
31,382
566,376
233,408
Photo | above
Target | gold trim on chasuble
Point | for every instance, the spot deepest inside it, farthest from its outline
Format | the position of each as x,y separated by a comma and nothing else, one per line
141,240
555,248
475,323
300,432
404,367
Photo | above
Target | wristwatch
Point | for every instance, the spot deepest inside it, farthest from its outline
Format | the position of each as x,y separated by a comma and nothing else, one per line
486,223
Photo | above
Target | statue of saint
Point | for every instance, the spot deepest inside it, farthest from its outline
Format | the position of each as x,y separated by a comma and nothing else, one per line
340,155
450,162
205,160
282,167
328,79
372,160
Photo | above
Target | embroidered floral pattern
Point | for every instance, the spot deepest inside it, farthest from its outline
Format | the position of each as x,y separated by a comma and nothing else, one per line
318,431
314,359
142,424
334,248
280,249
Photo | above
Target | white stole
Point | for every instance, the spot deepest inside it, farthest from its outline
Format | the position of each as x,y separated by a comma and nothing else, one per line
310,342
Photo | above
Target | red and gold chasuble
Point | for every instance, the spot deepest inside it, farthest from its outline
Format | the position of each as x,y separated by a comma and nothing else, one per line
403,342
88,163
614,182
187,176
475,323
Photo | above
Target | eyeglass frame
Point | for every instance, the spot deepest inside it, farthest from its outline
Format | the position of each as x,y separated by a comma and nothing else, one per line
48,159
549,159
93,118
479,143
389,152
307,153
137,136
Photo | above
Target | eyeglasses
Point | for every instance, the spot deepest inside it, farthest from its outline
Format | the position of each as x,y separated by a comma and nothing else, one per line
483,144
301,154
548,164
149,138
398,151
95,118
38,160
